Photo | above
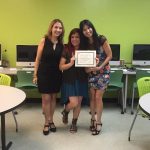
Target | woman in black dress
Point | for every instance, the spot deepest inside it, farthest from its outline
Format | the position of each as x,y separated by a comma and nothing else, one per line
74,85
47,74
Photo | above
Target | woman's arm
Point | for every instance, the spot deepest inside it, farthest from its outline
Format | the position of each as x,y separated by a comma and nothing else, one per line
63,65
38,58
106,47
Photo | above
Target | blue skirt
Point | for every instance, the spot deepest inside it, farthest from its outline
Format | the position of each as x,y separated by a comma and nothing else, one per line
77,88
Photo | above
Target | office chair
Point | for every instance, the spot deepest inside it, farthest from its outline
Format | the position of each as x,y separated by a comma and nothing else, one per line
6,80
143,85
24,79
116,84
139,74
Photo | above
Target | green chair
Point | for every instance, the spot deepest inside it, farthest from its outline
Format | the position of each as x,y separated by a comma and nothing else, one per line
139,74
143,85
116,84
24,79
6,80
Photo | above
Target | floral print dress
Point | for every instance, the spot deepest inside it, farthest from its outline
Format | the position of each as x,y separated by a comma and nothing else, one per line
100,79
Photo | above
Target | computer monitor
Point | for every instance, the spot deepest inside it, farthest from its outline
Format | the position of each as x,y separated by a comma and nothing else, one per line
115,61
141,55
0,56
26,55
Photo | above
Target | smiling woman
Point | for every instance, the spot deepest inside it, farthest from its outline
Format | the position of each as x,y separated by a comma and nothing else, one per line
46,71
74,86
99,76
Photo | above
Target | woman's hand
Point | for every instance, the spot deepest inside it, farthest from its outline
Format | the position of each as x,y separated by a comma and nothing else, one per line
97,61
34,80
91,69
72,60
95,68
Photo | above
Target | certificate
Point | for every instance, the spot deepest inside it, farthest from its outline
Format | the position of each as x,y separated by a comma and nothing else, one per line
85,58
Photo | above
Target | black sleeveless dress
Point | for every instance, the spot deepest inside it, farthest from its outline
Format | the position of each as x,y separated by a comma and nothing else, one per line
49,75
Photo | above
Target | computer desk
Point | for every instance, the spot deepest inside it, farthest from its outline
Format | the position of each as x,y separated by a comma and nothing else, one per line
13,71
9,71
126,72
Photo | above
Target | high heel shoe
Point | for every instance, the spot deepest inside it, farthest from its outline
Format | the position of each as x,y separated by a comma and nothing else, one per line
65,116
98,127
46,132
73,127
92,126
52,127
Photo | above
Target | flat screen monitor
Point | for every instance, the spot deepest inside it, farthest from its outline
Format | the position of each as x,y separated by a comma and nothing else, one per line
26,55
0,56
141,55
115,61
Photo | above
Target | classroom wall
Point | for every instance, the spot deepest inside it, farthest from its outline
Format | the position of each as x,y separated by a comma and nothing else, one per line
26,21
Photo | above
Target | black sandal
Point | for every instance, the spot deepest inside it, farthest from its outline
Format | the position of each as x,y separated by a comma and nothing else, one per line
65,116
46,132
92,126
97,130
73,127
52,127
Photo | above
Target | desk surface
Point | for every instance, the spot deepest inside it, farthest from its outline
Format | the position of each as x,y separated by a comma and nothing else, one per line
13,71
10,98
144,103
125,71
9,71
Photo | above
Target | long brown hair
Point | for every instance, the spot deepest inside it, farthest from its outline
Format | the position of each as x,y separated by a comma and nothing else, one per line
49,32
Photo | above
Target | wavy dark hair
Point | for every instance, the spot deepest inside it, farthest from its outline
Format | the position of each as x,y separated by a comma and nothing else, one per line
69,45
84,40
49,32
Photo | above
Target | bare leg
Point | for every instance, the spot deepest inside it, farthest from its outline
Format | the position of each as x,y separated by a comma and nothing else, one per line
42,106
46,98
52,107
99,105
92,103
99,109
73,102
76,110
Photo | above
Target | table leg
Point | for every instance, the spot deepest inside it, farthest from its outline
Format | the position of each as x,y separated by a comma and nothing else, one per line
3,138
126,92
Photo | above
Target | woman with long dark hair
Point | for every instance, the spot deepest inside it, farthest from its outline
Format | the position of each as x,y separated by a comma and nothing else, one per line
99,76
74,85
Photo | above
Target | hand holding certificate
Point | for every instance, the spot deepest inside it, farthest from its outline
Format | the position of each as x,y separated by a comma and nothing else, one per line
85,58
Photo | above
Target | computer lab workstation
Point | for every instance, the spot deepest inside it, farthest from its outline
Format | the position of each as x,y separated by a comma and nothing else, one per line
140,61
25,57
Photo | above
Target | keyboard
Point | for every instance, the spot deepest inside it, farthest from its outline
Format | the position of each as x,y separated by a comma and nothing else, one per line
28,69
143,68
112,68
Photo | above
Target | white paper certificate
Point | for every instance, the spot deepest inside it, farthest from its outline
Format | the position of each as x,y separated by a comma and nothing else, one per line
85,58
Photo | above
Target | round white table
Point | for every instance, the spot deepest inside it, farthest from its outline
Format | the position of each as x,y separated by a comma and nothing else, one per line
144,103
10,98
